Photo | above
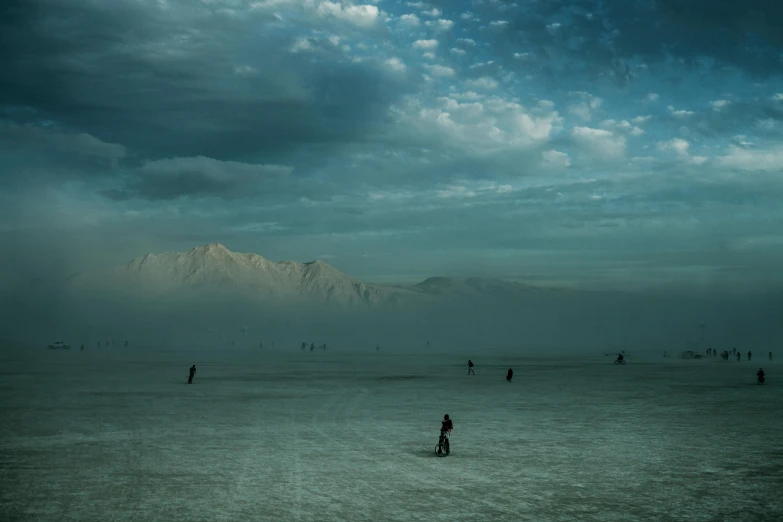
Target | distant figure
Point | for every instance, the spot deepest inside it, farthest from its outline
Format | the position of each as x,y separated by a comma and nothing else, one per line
708,351
620,357
126,344
324,346
749,354
260,345
377,348
760,375
428,344
738,356
304,345
470,367
99,344
510,374
82,349
770,356
733,350
192,373
312,346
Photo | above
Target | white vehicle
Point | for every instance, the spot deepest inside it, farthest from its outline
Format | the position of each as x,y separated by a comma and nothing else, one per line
58,344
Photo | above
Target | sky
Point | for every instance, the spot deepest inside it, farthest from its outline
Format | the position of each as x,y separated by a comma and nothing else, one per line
597,144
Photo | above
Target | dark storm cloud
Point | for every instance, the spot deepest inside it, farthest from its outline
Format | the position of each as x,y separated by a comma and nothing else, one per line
173,178
183,80
31,154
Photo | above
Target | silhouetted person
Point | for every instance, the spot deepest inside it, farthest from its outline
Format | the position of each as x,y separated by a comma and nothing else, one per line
126,344
749,354
770,356
304,345
377,348
619,357
733,351
82,348
760,375
510,374
470,367
192,373
738,356
324,346
260,345
312,346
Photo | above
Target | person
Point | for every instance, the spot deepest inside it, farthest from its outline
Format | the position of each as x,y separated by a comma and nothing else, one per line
312,346
760,375
260,345
192,373
770,356
738,356
510,374
619,357
126,344
446,425
82,348
470,367
749,354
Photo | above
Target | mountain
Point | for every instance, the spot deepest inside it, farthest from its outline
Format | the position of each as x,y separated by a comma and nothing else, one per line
215,270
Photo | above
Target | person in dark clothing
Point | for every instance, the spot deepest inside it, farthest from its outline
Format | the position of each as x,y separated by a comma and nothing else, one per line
760,375
620,357
192,373
770,356
750,354
126,344
446,425
510,374
82,348
470,367
312,346
738,356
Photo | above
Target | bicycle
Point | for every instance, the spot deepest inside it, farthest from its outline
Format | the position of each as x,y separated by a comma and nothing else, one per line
442,449
619,361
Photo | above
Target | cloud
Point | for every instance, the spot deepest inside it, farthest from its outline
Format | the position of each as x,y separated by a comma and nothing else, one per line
173,178
483,83
769,159
360,15
599,142
680,147
425,44
410,20
555,159
440,25
396,65
439,70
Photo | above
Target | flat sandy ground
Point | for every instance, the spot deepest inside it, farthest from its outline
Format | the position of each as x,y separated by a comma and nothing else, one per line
113,436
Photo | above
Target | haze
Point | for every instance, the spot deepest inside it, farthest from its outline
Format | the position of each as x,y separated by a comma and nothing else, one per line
536,184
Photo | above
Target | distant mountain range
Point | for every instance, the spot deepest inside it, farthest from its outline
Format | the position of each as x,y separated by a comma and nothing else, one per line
215,270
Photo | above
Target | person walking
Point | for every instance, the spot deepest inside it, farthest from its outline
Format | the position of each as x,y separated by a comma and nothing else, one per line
509,375
470,367
192,373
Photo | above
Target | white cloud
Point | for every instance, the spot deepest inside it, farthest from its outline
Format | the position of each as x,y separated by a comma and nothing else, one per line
410,20
300,45
467,41
679,113
482,83
555,159
601,142
584,109
425,44
641,119
553,28
440,25
753,159
523,56
458,52
467,15
434,13
719,104
429,56
361,15
777,97
396,64
499,23
681,148
439,70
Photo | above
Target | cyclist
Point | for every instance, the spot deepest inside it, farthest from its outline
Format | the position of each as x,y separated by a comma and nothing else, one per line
620,358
